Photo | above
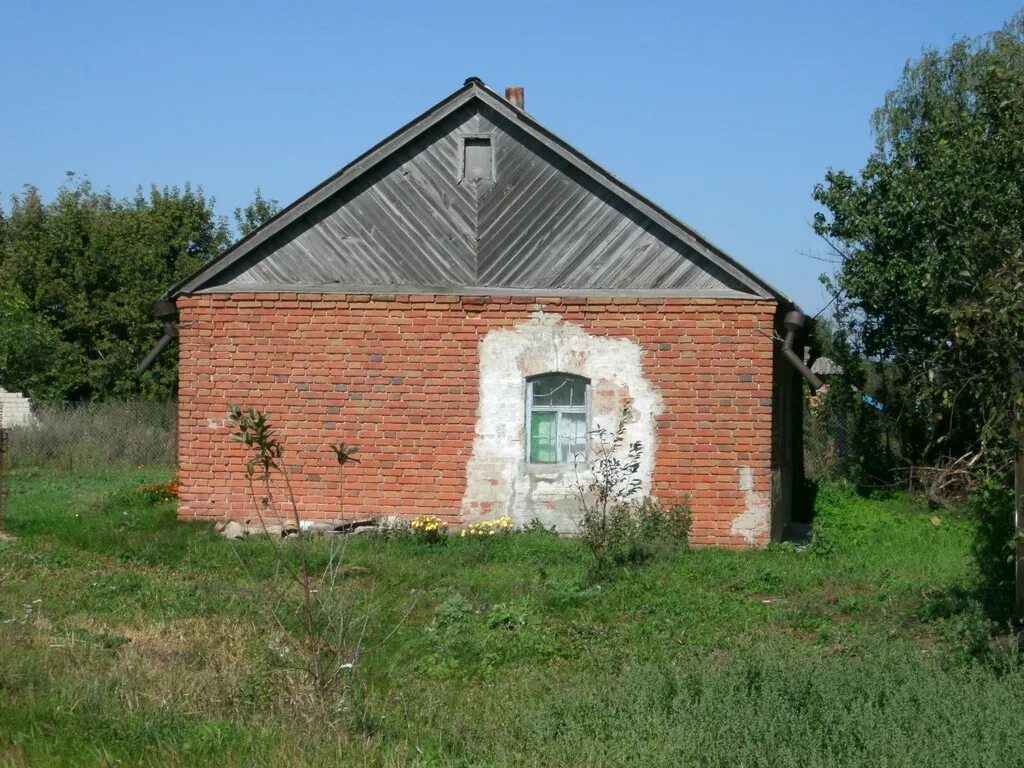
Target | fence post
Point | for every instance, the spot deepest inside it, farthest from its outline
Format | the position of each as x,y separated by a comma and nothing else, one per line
3,472
1018,529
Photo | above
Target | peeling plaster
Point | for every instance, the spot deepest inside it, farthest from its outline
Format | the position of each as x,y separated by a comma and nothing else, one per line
499,481
753,524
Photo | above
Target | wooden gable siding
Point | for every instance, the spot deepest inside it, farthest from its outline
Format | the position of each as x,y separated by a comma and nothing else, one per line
413,224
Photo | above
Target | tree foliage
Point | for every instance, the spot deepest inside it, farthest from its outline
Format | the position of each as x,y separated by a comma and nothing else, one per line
930,237
29,346
252,216
78,278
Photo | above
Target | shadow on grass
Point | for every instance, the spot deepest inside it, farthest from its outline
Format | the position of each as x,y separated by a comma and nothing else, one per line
993,551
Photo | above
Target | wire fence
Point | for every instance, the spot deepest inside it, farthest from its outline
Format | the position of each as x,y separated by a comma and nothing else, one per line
92,436
3,474
825,444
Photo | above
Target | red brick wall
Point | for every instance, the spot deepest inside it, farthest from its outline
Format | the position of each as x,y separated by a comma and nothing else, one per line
398,377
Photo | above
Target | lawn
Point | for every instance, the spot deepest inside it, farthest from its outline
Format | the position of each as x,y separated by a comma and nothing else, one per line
129,638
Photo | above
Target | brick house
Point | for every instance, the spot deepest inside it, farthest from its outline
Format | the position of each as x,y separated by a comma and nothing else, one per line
467,302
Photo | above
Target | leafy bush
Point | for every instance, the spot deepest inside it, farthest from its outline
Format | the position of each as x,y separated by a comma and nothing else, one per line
661,528
618,527
993,546
453,610
640,530
393,528
536,526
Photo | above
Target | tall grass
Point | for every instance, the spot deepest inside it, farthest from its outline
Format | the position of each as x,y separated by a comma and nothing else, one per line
96,436
130,637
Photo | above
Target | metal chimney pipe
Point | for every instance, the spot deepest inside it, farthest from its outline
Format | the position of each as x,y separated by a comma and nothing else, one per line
516,95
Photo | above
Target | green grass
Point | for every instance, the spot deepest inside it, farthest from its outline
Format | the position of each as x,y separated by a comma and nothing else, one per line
130,638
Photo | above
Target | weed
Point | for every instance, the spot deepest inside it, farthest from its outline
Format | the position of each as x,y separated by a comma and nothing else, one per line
618,527
503,616
535,526
393,528
454,610
333,624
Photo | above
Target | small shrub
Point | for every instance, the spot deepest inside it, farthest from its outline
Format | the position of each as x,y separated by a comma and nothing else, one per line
640,530
658,528
970,634
671,523
488,528
975,639
429,528
822,541
616,525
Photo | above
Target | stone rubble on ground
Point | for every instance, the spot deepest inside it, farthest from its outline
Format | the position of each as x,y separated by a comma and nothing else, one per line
232,529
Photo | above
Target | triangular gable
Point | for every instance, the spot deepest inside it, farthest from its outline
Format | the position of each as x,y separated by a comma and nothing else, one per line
403,218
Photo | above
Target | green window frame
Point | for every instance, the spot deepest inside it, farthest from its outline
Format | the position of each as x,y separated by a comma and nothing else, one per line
557,418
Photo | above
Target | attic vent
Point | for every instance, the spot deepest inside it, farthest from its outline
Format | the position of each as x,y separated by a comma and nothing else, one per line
477,159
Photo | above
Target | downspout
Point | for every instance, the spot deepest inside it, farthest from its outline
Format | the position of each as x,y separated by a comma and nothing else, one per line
794,322
167,312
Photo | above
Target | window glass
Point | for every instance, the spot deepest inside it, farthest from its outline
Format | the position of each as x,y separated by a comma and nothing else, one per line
543,437
557,420
572,436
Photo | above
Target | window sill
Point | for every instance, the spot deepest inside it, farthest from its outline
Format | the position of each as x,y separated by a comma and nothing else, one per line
554,469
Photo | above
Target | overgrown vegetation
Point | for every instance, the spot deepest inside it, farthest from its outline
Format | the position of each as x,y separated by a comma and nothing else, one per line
617,524
326,628
929,241
126,635
929,286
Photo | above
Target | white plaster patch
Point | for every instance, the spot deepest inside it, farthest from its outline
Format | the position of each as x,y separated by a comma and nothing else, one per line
754,523
499,481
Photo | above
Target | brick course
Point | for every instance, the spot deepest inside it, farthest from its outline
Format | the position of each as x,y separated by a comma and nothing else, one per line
397,375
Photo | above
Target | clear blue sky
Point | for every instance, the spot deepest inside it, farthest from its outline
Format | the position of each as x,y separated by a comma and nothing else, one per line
726,114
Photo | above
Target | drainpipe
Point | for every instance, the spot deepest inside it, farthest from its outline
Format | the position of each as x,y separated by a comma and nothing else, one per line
167,311
794,322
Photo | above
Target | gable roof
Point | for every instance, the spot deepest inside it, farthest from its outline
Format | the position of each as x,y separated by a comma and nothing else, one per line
647,251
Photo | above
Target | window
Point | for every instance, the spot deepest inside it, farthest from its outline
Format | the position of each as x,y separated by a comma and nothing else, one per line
557,415
477,161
